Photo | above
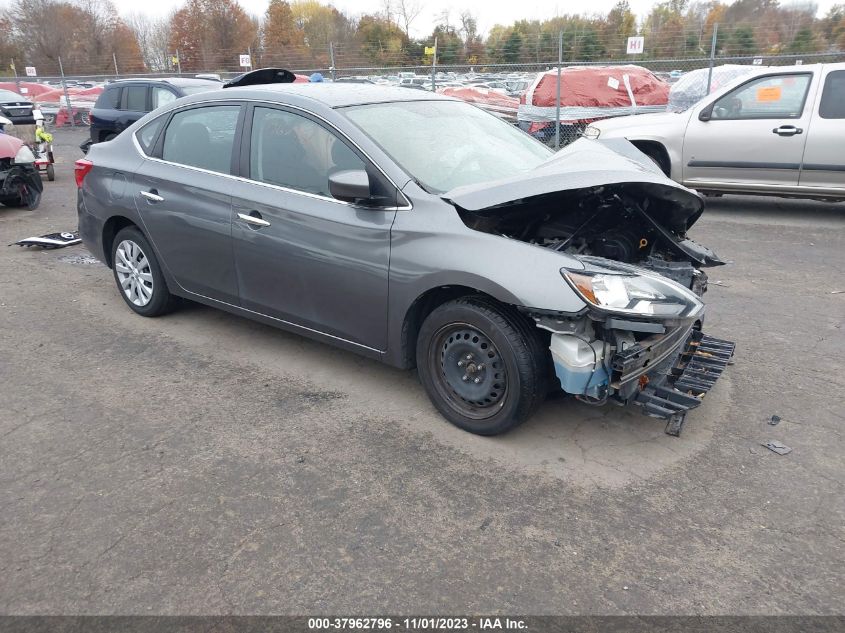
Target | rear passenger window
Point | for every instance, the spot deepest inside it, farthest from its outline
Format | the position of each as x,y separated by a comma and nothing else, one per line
134,99
147,134
202,137
109,99
832,105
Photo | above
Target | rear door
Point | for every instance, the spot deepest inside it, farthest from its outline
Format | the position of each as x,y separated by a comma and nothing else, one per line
183,197
755,135
824,155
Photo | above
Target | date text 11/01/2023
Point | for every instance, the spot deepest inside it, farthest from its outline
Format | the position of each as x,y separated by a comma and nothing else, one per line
417,624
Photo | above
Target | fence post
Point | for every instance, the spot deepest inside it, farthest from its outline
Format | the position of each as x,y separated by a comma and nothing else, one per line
557,101
67,96
116,72
178,62
17,79
712,58
331,57
433,67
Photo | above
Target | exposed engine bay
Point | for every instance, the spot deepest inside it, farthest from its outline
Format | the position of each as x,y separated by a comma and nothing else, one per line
624,222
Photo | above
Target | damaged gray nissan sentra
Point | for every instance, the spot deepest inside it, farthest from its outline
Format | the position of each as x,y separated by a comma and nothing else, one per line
418,230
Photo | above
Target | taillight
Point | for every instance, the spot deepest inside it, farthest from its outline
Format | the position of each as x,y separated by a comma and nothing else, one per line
81,169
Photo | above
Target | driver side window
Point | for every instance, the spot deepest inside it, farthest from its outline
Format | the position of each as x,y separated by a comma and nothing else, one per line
771,97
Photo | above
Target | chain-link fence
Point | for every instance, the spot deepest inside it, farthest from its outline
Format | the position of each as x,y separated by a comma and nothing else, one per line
527,93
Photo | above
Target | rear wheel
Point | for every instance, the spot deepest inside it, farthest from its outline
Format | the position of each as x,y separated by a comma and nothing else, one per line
51,173
138,274
482,365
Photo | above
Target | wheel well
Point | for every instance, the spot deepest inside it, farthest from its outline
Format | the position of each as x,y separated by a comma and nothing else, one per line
421,308
113,226
104,134
657,152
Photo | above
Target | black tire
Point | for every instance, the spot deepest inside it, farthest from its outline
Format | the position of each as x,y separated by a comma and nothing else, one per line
160,300
513,379
51,173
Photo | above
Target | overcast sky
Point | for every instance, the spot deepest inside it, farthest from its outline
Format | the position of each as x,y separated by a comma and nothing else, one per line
488,12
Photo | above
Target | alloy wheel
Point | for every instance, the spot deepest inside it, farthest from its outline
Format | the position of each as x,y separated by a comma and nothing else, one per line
133,273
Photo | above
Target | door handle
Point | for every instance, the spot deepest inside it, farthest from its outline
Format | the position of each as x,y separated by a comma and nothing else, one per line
152,196
787,130
255,220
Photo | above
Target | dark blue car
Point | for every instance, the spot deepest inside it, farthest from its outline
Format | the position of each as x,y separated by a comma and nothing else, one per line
125,101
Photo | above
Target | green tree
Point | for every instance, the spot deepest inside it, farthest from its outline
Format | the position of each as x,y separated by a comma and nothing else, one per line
512,48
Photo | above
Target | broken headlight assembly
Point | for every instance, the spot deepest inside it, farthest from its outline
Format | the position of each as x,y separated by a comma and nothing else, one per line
623,289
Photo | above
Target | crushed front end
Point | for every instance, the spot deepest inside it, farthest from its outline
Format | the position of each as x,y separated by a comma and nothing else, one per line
638,342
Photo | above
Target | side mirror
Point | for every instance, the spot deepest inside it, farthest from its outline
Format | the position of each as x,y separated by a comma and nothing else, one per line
706,114
350,186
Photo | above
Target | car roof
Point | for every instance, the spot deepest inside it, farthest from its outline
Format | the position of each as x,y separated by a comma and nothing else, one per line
331,95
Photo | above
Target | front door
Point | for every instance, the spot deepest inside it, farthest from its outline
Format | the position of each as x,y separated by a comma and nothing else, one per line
755,134
301,255
183,197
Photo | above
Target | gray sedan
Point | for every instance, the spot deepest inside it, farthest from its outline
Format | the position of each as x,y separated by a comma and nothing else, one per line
418,230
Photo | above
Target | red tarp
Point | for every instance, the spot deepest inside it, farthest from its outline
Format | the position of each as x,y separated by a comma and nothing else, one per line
32,89
593,92
496,102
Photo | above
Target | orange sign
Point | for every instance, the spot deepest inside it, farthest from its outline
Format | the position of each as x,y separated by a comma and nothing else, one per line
771,93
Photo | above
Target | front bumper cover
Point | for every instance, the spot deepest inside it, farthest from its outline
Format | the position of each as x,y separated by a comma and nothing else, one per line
670,394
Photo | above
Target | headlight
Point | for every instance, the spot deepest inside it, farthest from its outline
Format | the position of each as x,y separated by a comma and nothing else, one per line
24,156
591,131
625,289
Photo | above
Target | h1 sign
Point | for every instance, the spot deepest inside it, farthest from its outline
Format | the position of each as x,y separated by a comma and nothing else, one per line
635,45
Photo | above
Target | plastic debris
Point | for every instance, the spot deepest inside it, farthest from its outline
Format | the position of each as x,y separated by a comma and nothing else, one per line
51,240
777,447
774,420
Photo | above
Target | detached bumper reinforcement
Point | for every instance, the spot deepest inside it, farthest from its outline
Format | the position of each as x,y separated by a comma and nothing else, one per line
699,365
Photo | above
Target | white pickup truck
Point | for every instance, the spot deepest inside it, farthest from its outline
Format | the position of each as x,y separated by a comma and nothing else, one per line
779,131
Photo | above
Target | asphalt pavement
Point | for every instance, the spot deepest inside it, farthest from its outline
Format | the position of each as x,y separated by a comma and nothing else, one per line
201,463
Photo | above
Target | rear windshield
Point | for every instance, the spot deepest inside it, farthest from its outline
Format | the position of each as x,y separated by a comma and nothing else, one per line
109,98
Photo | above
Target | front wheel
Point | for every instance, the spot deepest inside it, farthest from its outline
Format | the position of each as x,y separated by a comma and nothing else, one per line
138,274
482,365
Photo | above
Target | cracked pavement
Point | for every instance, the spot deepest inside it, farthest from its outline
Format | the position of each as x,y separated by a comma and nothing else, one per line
204,464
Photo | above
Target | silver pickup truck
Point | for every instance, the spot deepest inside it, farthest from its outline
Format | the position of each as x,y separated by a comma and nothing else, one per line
779,131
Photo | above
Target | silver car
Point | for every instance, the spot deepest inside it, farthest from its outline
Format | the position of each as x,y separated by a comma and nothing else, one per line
418,230
776,131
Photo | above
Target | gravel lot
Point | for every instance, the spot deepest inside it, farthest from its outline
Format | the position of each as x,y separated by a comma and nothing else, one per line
204,464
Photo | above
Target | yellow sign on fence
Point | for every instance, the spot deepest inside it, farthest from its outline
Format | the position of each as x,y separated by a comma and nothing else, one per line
429,50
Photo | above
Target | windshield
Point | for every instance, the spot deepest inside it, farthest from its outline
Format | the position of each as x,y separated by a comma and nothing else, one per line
8,95
447,144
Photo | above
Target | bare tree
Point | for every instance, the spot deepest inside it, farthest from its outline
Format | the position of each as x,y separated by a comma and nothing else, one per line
153,36
408,11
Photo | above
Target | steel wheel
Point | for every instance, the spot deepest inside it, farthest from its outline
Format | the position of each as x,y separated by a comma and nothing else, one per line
134,273
468,371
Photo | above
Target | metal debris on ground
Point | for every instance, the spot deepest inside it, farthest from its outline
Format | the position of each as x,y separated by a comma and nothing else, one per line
777,447
836,292
51,240
774,420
